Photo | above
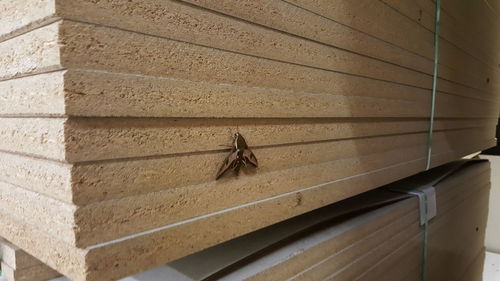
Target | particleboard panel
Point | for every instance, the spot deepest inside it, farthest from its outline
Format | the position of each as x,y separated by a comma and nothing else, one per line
381,243
115,254
202,27
18,17
90,139
386,23
278,14
112,219
95,181
14,257
90,93
113,113
199,26
39,51
39,272
476,41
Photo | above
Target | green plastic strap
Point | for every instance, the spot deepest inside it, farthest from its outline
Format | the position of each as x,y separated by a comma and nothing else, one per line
424,219
425,234
434,82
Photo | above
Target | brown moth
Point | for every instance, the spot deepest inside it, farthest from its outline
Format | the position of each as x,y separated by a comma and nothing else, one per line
239,156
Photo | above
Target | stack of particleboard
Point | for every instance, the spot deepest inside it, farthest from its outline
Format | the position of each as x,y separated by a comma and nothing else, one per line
17,265
373,236
114,113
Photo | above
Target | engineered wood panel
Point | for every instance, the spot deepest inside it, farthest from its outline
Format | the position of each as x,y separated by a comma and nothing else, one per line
90,93
112,253
39,272
421,39
14,257
182,61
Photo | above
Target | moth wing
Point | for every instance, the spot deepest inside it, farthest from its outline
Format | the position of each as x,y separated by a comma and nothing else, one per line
237,166
229,163
249,157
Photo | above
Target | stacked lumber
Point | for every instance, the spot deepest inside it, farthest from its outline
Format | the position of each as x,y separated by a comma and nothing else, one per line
373,236
17,265
113,113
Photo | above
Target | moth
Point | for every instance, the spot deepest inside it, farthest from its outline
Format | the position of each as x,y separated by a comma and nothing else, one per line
239,156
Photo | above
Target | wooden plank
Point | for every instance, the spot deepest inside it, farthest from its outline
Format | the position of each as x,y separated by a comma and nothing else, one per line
47,249
439,236
17,265
137,186
329,250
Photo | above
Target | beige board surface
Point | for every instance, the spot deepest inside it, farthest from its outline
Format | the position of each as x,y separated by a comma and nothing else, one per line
14,257
91,93
91,139
39,272
83,181
144,58
18,17
493,229
386,23
339,251
313,15
115,188
115,218
441,250
191,24
112,260
469,37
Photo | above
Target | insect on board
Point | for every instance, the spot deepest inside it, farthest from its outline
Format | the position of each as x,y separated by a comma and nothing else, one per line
239,156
